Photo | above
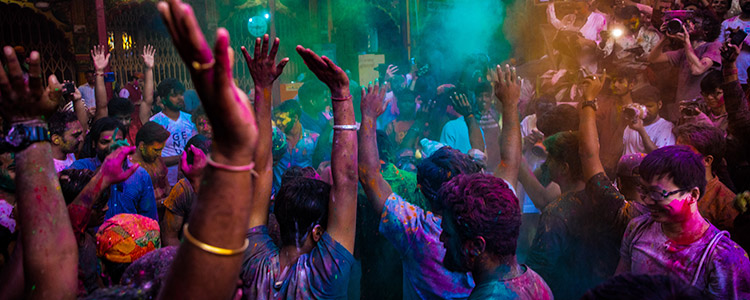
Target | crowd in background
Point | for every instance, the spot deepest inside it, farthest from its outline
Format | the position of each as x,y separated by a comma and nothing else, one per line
615,166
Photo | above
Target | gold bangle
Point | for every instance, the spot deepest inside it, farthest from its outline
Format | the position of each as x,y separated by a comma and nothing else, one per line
212,249
202,66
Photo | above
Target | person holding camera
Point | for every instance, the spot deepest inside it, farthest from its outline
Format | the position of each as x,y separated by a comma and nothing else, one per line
735,29
647,130
698,34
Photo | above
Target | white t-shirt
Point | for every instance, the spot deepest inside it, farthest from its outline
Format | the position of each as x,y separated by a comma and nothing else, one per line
88,95
660,133
62,164
743,61
180,132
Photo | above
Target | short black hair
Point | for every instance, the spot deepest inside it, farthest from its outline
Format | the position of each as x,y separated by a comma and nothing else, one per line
679,163
119,107
712,81
290,106
644,287
169,86
646,94
301,203
441,167
563,147
708,140
197,113
151,132
483,87
563,117
72,182
198,141
58,121
311,90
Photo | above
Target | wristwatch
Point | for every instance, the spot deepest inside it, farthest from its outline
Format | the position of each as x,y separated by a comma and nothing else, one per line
591,103
20,136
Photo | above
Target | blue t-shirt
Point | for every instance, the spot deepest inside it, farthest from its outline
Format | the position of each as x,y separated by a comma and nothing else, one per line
321,274
456,135
135,195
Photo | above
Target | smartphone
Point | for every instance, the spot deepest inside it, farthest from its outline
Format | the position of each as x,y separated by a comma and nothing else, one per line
69,88
737,37
109,77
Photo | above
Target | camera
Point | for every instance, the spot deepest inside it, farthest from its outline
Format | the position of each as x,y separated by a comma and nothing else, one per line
690,108
674,20
674,26
68,88
634,111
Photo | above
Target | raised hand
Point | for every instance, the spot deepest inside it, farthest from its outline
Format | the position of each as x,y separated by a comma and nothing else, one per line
112,171
729,53
592,85
461,104
194,170
21,101
227,107
148,56
263,67
372,105
507,85
100,56
391,71
326,71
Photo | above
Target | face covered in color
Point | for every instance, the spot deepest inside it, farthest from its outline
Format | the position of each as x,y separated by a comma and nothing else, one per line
675,207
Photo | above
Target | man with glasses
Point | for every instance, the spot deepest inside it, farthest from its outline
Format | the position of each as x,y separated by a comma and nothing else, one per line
674,239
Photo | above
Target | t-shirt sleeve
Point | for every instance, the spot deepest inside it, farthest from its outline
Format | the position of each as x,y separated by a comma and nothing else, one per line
665,137
330,266
712,51
178,200
257,271
399,221
729,271
627,240
607,200
675,57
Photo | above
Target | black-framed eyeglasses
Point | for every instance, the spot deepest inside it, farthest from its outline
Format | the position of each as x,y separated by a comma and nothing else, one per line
658,195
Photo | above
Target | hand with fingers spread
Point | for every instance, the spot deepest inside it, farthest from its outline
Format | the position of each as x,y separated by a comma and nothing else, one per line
148,56
262,64
507,85
391,71
461,104
100,56
326,71
372,105
227,107
112,170
21,101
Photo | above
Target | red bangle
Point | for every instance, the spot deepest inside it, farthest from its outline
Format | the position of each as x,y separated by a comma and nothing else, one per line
347,98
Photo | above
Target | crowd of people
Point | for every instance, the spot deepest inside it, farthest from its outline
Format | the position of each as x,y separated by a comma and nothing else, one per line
616,166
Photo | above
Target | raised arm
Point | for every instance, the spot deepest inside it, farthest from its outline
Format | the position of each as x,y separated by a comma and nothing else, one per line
101,61
222,211
144,110
50,256
80,110
376,188
508,91
463,107
111,172
265,71
657,54
734,96
589,141
342,212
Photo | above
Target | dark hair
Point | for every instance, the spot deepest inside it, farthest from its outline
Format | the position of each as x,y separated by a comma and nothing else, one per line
644,287
197,113
646,94
440,167
385,147
58,122
151,132
199,141
72,182
311,90
119,107
627,12
169,86
405,102
712,81
301,203
711,25
483,87
619,71
290,106
563,117
679,163
708,140
563,147
99,126
297,171
484,205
